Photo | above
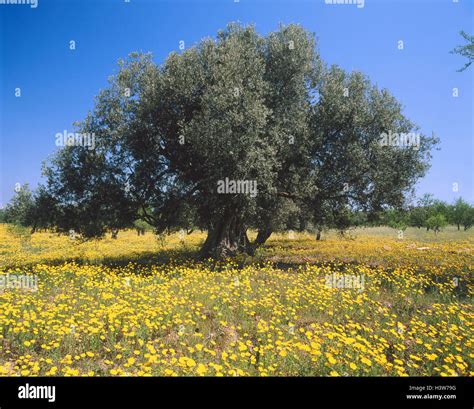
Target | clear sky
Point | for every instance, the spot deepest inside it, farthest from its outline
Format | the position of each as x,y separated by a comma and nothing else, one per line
58,85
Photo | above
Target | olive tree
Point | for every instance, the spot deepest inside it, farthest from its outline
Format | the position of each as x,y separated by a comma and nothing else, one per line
238,132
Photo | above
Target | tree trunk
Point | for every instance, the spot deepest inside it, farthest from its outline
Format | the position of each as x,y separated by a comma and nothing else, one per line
226,238
262,236
229,237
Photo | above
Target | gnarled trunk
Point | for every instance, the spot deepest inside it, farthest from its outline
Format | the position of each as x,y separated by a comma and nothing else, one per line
226,238
229,236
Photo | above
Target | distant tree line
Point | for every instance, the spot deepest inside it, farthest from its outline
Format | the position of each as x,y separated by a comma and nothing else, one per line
428,213
31,209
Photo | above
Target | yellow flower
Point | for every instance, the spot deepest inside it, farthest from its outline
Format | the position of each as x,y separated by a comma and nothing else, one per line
201,369
330,358
366,361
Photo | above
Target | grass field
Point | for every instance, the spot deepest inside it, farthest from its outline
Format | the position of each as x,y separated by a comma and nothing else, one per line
367,304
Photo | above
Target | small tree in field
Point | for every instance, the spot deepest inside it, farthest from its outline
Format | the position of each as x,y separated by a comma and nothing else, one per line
238,132
436,222
458,213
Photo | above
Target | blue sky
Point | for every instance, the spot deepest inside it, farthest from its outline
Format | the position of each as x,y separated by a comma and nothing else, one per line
58,85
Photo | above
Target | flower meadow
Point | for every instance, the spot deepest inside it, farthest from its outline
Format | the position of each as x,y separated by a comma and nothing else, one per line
141,306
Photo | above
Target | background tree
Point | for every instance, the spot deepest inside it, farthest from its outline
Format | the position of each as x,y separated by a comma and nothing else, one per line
468,219
242,107
436,222
466,50
418,216
396,219
20,210
435,210
458,212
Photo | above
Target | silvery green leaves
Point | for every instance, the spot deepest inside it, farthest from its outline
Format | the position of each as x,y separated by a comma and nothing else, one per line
352,166
95,184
